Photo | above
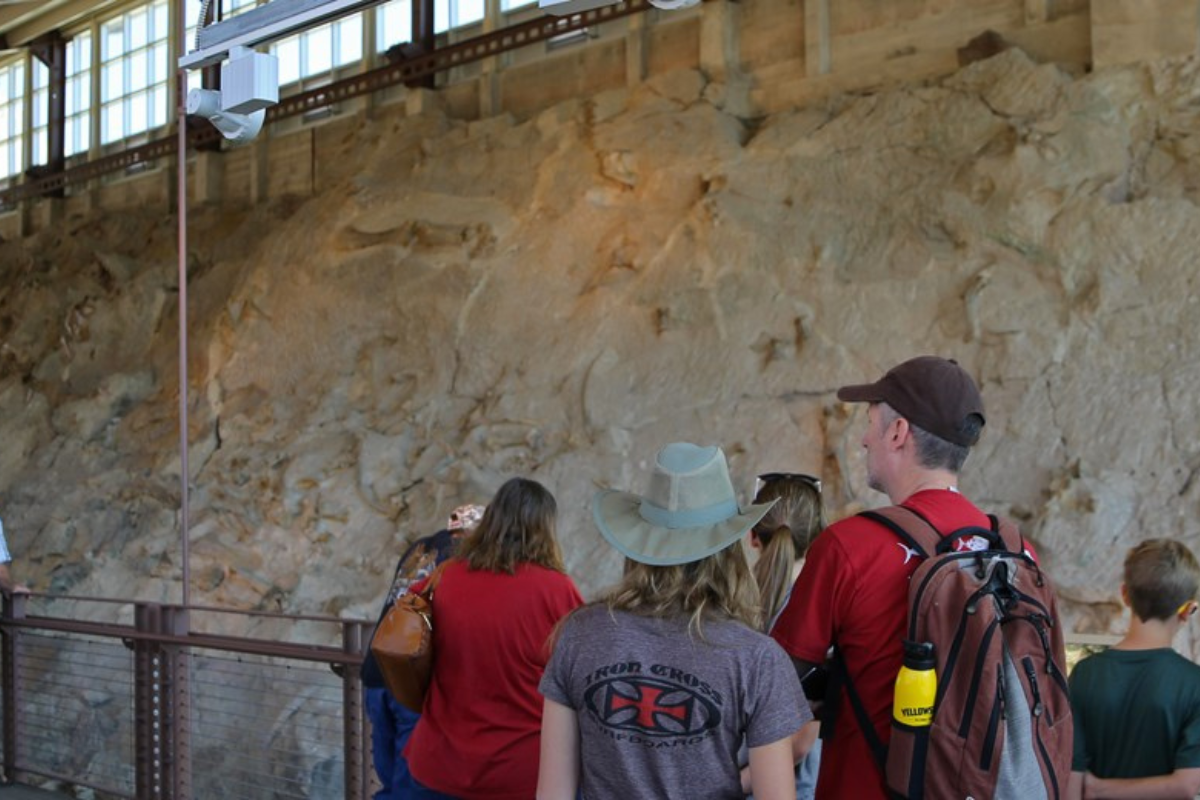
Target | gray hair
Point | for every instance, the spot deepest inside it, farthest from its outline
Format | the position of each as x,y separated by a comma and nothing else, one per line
934,452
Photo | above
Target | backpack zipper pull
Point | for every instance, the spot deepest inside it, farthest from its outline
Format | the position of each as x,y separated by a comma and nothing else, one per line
1037,620
1031,673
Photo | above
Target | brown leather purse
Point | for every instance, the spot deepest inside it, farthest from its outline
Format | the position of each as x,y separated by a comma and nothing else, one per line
403,644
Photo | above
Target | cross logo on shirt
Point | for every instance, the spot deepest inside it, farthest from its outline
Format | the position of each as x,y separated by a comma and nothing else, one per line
649,705
653,706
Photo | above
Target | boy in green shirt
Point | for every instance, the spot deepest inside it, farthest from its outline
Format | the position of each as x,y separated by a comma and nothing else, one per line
1137,705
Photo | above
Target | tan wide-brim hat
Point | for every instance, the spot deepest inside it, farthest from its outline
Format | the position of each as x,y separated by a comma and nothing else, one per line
690,511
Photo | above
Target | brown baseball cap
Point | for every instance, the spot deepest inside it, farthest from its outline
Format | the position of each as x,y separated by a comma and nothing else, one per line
933,393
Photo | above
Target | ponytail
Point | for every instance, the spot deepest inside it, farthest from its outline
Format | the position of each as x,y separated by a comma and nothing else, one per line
773,571
785,532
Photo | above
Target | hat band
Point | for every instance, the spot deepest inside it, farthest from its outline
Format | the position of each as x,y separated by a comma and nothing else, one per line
687,518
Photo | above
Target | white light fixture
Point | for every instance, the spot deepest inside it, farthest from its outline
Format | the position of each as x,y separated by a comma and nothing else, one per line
250,80
249,83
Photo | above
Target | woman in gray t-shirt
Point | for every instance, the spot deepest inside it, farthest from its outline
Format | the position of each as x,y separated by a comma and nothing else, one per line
651,690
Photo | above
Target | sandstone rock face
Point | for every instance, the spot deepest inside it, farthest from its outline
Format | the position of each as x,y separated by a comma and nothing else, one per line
560,296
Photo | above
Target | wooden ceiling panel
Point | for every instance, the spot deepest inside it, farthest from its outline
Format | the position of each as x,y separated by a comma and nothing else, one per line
21,21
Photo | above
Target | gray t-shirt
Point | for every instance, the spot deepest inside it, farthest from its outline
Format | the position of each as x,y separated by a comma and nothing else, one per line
661,713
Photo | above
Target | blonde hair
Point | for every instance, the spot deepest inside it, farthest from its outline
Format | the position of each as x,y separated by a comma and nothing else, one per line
1160,576
717,587
786,531
517,527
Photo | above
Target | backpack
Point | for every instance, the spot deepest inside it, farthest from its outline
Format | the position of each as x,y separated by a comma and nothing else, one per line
1002,716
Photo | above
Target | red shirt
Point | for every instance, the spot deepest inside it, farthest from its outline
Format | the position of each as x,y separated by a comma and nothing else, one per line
853,590
479,732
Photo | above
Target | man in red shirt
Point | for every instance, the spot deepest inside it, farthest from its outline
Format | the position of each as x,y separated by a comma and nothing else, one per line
924,417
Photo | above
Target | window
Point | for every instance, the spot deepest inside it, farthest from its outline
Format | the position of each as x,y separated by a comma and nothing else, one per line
79,95
393,24
12,117
235,7
513,5
133,72
320,49
39,131
192,22
449,14
231,9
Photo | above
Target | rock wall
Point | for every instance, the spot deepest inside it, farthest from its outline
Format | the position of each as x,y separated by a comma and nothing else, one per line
558,297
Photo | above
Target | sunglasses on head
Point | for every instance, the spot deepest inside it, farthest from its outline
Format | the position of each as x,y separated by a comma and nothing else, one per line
768,478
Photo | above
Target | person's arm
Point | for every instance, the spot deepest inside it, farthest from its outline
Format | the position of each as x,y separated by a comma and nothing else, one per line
773,771
558,770
1182,783
1075,786
7,585
804,739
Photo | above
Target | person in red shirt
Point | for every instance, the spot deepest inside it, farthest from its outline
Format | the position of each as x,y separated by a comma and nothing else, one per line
494,608
924,416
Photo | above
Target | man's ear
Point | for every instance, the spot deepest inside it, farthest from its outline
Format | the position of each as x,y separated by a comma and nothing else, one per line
898,432
1124,593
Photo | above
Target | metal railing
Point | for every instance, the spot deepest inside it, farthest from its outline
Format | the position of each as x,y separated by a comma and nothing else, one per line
159,702
148,704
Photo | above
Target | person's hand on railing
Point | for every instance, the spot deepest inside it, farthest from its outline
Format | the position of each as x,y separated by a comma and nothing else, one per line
7,585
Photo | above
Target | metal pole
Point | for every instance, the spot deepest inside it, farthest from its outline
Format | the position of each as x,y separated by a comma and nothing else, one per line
354,722
181,211
14,608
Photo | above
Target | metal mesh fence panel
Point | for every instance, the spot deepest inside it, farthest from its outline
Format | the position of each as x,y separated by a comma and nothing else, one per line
265,728
75,705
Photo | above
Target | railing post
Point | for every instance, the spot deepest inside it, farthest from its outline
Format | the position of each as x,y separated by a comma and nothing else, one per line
177,660
162,722
149,741
353,719
147,702
14,608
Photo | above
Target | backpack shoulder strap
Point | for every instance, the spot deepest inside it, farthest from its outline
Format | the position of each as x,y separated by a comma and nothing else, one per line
840,680
1009,533
911,528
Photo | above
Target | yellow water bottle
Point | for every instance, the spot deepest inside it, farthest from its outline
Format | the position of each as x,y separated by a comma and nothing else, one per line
916,686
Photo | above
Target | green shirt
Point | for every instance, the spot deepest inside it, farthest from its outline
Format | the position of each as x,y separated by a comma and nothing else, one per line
1137,713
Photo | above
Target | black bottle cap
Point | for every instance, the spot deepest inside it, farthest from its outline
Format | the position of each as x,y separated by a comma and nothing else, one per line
919,655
